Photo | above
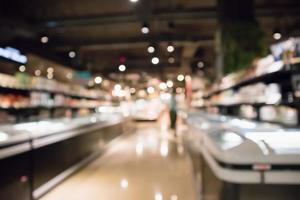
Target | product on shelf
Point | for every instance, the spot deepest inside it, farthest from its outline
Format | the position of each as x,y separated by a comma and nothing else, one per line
281,114
41,99
24,81
248,112
286,50
256,93
13,101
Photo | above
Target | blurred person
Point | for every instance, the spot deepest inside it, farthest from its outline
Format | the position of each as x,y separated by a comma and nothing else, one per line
173,110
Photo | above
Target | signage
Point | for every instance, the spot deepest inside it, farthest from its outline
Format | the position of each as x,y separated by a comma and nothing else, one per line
13,54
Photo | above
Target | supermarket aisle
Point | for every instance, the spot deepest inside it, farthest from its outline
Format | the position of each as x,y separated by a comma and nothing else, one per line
150,165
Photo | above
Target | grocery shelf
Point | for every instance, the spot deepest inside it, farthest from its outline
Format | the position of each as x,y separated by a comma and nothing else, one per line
45,107
273,77
28,90
292,104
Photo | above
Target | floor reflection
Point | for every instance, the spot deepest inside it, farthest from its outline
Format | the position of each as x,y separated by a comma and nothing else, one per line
151,165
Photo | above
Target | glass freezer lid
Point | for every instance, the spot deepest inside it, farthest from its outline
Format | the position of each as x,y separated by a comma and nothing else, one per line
281,142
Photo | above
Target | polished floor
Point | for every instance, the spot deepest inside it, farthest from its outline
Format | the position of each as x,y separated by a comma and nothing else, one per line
150,164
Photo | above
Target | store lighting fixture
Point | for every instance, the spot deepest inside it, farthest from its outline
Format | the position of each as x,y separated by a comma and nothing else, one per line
171,60
200,64
151,49
155,60
163,86
50,76
22,68
277,36
44,39
50,70
134,1
122,68
180,77
37,72
150,90
69,75
145,28
72,54
170,48
98,80
170,84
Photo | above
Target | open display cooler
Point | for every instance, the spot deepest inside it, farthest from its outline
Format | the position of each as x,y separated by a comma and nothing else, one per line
36,156
245,159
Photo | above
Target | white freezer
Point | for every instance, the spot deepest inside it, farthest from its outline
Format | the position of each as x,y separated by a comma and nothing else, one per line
243,151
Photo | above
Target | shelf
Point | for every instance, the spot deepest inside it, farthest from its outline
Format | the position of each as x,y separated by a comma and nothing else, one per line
27,90
250,104
274,77
43,107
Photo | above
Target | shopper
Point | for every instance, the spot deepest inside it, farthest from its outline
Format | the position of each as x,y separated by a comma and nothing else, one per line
173,110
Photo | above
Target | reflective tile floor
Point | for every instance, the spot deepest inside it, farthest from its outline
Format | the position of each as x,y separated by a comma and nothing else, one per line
150,164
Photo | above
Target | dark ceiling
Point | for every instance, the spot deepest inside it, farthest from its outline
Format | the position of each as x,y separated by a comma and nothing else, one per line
100,31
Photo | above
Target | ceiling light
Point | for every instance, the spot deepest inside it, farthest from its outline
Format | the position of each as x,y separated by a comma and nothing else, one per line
151,49
163,86
134,1
44,39
98,80
145,29
50,76
22,68
171,60
170,48
150,90
37,72
170,84
50,70
200,64
277,36
180,77
72,54
155,60
122,68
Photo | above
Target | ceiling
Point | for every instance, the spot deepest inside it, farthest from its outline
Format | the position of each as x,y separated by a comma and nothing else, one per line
102,31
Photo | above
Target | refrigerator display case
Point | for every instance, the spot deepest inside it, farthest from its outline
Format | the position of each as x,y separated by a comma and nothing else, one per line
15,166
245,156
36,156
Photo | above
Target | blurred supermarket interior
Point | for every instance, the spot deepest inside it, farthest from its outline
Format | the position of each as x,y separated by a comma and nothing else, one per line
149,99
